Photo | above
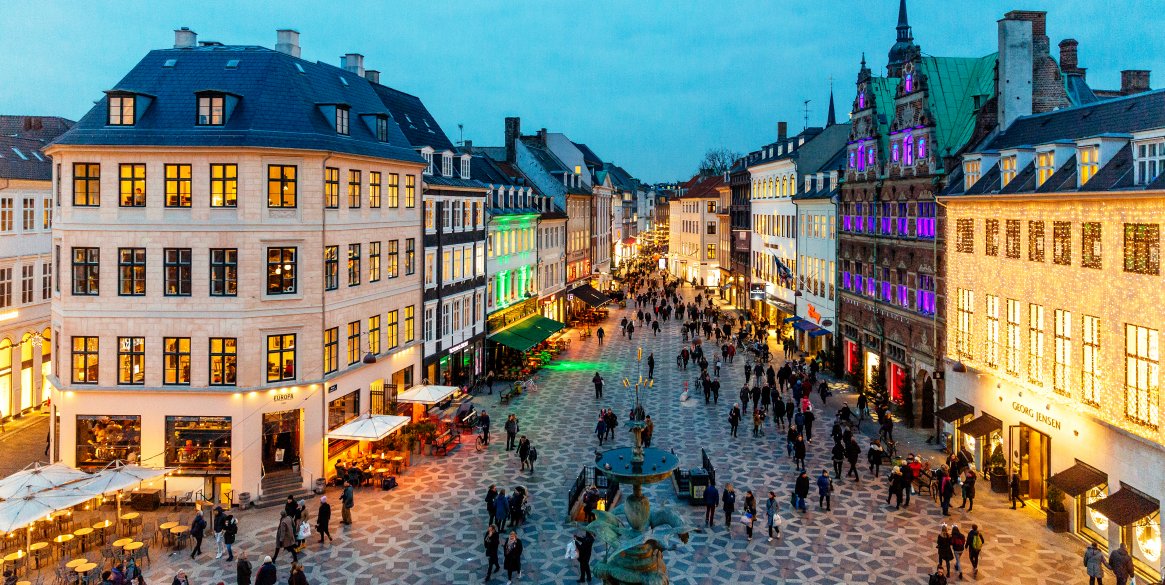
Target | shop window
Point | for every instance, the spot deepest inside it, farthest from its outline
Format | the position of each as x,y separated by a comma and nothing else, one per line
224,355
131,360
281,357
199,444
343,409
102,439
1142,374
176,361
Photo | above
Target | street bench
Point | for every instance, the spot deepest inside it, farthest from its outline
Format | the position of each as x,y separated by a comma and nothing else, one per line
510,393
444,442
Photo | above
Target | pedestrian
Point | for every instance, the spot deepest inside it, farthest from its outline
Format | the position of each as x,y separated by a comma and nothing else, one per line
772,515
501,509
938,578
491,506
655,328
243,569
511,428
969,480
886,430
598,382
296,577
1013,490
758,418
1121,564
1094,564
749,512
601,430
711,500
778,411
623,324
267,574
599,335
230,533
303,529
838,456
801,491
958,545
809,418
285,537
491,541
945,553
513,554
715,386
218,524
323,519
524,451
484,421
975,542
734,419
897,483
716,367
179,579
630,331
197,530
648,431
347,501
744,394
874,457
729,502
651,361
747,373
799,452
824,490
789,410
584,543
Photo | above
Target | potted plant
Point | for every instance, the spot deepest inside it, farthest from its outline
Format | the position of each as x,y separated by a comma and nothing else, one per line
997,470
1057,512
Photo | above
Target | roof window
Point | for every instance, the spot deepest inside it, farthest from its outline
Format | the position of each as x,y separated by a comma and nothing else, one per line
170,63
233,64
19,153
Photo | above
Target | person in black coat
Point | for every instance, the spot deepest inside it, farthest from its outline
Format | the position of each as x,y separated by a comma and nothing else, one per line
584,543
799,452
323,517
197,530
243,569
801,491
267,573
729,500
734,419
491,541
513,548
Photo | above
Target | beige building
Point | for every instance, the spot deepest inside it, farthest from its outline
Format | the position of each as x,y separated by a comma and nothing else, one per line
694,244
239,284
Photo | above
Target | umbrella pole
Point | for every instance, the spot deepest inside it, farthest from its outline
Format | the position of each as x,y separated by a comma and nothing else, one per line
28,539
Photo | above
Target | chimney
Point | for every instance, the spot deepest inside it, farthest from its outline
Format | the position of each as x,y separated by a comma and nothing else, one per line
513,132
184,38
467,146
1039,19
372,75
1069,57
1014,81
287,41
542,137
1134,81
782,131
353,63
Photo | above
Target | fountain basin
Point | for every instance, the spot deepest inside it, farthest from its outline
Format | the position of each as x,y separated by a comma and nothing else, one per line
657,465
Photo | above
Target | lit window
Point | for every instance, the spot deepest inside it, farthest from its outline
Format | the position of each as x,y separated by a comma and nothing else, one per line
131,360
1012,241
224,185
991,346
354,269
1035,344
211,110
281,357
1090,376
1045,166
86,185
224,272
354,180
1063,334
331,267
410,331
281,271
331,349
131,271
1006,169
1012,344
1090,249
1142,368
132,183
177,273
394,195
1035,241
353,342
374,189
908,83
176,361
410,191
410,256
1142,248
85,356
281,186
391,268
121,110
392,325
965,235
991,247
224,355
331,187
86,271
1062,243
1150,160
908,150
373,262
177,185
374,334
1089,163
966,318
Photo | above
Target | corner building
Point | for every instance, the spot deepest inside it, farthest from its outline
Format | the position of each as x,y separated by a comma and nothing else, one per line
233,271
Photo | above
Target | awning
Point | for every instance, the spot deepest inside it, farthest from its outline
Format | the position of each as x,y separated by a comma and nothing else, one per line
1126,506
629,241
819,332
119,476
369,427
804,325
587,294
1078,479
792,319
956,411
982,426
527,333
426,394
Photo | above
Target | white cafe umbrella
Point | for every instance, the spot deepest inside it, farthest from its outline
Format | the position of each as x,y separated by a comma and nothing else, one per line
29,505
37,477
426,394
369,427
118,476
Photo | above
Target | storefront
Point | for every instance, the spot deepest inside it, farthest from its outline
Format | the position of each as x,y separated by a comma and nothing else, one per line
200,446
461,365
956,413
519,338
1086,485
554,306
980,439
103,439
851,355
1136,517
1031,458
281,440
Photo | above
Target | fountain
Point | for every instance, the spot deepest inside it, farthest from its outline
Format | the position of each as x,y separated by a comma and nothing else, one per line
635,548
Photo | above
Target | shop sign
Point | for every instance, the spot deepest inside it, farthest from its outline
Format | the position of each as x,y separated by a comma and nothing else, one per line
756,292
459,347
333,388
877,310
1035,414
283,395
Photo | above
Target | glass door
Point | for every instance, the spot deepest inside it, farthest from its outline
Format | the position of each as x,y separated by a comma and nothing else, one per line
1031,456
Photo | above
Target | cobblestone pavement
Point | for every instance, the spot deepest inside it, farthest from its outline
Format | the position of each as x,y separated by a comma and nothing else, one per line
428,529
23,441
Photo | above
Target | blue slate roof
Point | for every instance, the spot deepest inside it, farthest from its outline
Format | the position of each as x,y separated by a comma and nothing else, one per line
414,119
589,157
279,104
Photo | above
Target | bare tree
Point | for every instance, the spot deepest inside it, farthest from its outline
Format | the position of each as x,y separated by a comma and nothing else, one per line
717,160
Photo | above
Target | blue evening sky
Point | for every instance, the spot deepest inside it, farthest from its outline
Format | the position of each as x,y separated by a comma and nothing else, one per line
648,85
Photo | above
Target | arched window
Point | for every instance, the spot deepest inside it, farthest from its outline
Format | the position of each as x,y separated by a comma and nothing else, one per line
894,152
908,83
908,150
921,147
26,372
862,157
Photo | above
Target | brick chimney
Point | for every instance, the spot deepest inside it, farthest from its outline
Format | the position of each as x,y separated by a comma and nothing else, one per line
1134,81
467,146
1069,57
1039,20
184,38
513,133
542,137
372,75
287,41
782,131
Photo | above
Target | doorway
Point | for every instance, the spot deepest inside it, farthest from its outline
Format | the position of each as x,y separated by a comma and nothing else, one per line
281,440
1031,457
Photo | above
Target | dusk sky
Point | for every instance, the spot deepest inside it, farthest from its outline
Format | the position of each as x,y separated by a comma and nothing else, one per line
647,85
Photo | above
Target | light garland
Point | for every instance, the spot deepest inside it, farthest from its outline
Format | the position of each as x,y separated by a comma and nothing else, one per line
1109,294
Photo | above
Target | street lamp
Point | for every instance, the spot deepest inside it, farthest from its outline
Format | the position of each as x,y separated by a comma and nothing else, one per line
639,383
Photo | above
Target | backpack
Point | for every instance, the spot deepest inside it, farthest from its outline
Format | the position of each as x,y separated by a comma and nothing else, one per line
959,542
977,541
533,453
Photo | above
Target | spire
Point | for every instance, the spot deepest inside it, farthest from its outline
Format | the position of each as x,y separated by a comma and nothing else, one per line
904,33
831,118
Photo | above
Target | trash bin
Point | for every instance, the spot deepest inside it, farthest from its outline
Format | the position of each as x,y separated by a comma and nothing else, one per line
699,482
320,483
244,500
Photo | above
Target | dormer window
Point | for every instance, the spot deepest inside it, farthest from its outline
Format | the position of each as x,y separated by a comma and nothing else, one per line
211,110
1006,170
382,128
121,110
465,159
1089,157
447,164
1150,158
1045,166
342,120
427,153
972,170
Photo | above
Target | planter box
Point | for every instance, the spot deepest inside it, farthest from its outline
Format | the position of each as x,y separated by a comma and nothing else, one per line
1058,521
999,483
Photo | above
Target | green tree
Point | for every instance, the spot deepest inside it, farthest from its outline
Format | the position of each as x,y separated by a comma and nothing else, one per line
876,388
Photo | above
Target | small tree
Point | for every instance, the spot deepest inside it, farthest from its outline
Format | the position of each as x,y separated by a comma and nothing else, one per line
717,161
876,387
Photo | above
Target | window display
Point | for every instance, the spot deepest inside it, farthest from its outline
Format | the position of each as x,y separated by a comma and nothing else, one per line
105,438
199,444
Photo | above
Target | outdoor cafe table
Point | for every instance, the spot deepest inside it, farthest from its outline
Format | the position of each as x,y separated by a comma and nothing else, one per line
177,531
129,520
62,541
83,534
101,527
34,548
81,570
133,546
121,542
165,528
73,564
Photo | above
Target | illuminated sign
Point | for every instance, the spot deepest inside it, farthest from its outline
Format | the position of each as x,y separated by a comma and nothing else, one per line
1035,414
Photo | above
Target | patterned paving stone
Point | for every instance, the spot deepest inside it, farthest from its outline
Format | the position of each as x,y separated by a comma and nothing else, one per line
428,530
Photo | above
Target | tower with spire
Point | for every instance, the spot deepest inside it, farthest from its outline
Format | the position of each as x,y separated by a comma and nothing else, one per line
904,48
831,117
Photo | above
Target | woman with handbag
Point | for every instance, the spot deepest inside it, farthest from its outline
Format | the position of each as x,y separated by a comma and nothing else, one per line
772,514
749,512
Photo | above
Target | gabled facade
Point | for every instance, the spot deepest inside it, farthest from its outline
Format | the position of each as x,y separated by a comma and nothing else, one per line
693,253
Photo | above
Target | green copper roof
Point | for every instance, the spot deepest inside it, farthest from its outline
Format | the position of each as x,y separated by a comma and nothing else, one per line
884,89
953,83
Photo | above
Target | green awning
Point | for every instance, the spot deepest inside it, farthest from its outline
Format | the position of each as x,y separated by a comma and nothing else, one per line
527,333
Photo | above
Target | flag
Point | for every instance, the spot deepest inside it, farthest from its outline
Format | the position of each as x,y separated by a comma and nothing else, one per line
782,270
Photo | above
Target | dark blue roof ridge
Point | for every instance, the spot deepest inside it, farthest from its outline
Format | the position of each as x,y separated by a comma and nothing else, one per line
1106,101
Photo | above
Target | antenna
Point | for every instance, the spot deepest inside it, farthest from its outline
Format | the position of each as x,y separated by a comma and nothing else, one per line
806,103
461,131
